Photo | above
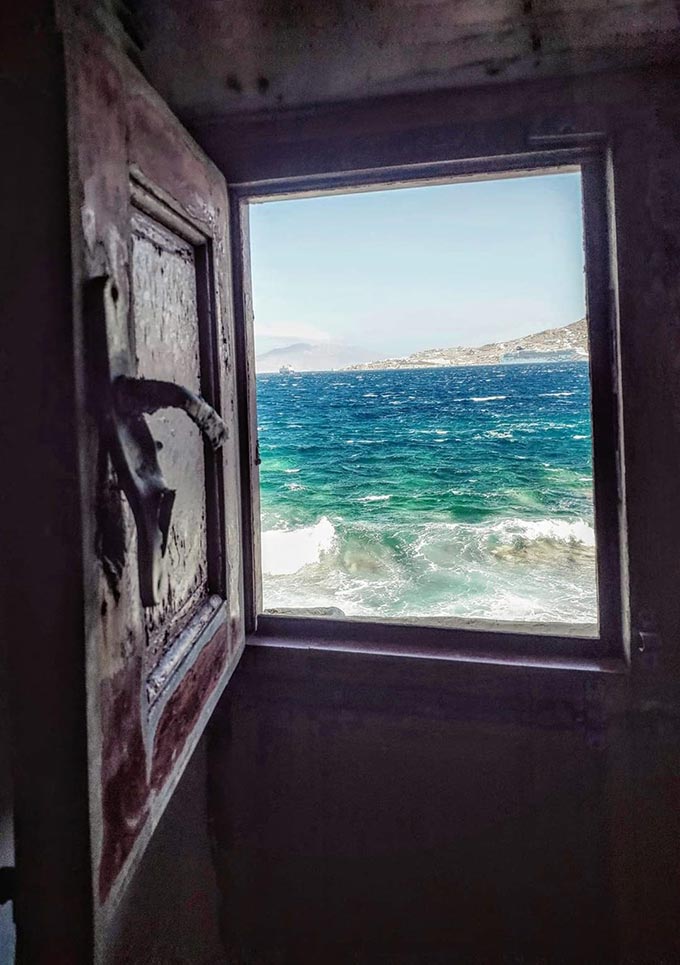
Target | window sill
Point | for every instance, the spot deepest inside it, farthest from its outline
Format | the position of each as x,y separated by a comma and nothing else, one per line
465,644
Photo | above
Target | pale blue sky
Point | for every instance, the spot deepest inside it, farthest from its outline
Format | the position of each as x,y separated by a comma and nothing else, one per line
399,271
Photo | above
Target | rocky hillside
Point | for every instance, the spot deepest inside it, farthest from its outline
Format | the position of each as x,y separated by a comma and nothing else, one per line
570,338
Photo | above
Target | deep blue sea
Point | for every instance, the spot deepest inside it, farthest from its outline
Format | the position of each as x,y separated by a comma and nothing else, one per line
461,492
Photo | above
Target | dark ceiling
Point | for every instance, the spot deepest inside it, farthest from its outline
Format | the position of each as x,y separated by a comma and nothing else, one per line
210,57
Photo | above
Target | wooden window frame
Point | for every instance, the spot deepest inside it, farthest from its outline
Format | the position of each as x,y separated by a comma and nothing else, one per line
470,640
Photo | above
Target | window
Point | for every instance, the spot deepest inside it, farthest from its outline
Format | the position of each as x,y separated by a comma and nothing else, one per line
435,408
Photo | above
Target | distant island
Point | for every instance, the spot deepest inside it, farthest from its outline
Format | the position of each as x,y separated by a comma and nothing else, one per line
310,357
566,344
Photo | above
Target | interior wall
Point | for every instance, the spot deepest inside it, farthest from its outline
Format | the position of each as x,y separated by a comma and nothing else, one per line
376,809
411,812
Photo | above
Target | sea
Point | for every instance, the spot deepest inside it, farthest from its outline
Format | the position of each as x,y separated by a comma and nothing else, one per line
460,492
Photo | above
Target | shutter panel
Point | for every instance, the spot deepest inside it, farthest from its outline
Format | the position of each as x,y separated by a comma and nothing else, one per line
161,504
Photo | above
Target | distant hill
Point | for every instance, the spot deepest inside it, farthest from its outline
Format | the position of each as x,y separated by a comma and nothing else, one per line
311,357
569,339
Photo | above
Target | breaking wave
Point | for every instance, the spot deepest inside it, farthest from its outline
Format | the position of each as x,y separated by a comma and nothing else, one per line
287,551
379,568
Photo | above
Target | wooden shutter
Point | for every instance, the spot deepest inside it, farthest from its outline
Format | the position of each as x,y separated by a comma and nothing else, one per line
161,506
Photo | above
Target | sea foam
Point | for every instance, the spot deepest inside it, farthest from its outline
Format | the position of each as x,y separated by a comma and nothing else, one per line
286,551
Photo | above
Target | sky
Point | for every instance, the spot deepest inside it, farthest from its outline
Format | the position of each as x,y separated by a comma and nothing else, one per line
395,272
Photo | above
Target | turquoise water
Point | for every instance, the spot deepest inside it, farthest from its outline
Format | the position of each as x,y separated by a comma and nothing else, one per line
441,492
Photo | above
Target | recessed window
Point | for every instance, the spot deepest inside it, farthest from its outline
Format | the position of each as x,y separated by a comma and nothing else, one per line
423,369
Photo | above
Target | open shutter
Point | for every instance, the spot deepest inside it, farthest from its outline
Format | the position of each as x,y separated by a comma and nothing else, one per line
159,447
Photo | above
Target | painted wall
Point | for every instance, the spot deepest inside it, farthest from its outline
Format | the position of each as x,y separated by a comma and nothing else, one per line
375,810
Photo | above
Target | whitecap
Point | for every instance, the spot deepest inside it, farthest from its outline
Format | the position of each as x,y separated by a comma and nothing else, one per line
487,398
554,395
285,551
373,499
291,470
558,530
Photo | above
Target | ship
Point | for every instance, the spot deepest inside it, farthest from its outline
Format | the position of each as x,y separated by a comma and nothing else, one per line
286,370
523,356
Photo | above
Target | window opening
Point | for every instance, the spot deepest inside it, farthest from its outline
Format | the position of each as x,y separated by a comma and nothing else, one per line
424,405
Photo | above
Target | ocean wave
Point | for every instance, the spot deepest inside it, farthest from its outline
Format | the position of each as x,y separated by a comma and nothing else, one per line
287,551
512,568
557,530
554,395
487,398
504,536
373,499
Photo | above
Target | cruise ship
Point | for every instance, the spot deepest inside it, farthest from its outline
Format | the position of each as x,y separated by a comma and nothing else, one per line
522,356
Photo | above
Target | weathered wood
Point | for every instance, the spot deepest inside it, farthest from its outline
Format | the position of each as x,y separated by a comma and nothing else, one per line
603,325
151,213
247,408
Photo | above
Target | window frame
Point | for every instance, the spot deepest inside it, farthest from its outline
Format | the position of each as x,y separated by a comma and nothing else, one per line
469,640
